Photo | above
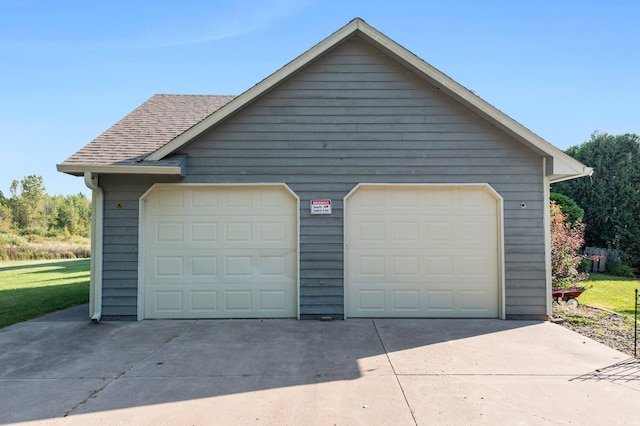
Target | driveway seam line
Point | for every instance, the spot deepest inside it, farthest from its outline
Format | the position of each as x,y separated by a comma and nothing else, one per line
395,374
94,393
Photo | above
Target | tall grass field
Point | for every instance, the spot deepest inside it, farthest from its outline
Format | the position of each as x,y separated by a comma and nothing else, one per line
29,289
35,247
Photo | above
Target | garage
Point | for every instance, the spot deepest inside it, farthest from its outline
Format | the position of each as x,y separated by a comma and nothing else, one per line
219,251
423,251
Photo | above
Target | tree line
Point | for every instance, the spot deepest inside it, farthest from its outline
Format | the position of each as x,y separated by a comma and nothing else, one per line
610,198
29,210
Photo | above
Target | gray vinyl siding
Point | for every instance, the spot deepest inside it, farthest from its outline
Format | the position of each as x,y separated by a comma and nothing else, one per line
120,244
353,116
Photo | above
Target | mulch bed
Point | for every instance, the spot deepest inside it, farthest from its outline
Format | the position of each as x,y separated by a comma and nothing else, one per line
608,328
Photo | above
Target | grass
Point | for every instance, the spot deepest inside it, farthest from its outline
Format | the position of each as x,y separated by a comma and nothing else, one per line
29,289
609,292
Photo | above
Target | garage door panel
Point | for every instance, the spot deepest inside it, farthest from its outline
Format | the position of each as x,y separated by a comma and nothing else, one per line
422,251
440,301
203,301
406,301
168,301
220,252
446,265
274,266
415,302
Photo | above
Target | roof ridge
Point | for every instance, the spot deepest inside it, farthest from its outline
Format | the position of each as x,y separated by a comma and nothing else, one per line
194,95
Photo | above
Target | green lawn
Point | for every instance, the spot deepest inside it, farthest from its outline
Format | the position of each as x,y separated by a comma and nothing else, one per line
30,289
609,292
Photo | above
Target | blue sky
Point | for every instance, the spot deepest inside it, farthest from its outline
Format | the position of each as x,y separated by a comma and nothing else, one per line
72,68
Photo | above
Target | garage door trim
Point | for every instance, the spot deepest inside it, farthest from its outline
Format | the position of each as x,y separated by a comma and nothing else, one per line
142,236
500,229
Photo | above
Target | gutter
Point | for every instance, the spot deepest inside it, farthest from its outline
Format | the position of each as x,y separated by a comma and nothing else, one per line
97,207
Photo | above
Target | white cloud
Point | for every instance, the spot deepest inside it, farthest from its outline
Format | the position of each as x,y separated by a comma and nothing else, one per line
154,25
218,23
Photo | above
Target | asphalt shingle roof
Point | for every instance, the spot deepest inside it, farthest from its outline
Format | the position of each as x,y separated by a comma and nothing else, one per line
147,128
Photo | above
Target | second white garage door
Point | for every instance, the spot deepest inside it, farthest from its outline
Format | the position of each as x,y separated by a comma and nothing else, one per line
423,251
220,252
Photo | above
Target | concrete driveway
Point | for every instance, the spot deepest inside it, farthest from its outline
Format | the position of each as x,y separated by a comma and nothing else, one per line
61,369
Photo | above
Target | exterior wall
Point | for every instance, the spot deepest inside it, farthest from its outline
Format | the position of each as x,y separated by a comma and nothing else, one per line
120,239
352,116
355,116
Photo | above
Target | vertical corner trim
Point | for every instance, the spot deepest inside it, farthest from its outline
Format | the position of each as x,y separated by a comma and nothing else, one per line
97,205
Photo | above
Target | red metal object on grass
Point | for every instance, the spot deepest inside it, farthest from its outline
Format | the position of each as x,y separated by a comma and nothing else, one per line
567,293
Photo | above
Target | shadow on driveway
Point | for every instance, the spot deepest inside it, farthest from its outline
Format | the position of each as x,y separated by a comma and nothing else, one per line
239,370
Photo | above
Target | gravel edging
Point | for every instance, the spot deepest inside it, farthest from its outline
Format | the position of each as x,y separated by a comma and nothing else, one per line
606,327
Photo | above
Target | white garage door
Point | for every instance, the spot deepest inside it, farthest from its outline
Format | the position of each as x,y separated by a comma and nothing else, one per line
423,251
220,252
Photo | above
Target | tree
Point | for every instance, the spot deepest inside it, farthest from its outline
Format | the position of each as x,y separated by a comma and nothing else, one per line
567,239
6,213
568,207
70,214
29,204
611,198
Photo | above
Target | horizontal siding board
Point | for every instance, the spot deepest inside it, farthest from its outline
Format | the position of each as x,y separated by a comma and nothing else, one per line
130,283
120,230
321,265
122,263
319,282
333,160
323,230
348,86
535,258
321,248
481,173
118,312
128,250
536,276
121,292
321,309
131,222
123,240
312,291
320,256
116,274
526,266
117,301
319,111
335,272
527,309
112,258
522,292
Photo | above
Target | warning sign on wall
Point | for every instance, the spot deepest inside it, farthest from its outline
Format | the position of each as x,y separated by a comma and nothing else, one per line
320,206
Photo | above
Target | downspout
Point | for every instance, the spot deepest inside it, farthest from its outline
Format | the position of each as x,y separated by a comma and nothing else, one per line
547,240
97,206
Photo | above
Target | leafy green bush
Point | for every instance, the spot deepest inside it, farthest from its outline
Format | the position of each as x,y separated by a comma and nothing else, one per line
566,240
619,269
569,207
585,266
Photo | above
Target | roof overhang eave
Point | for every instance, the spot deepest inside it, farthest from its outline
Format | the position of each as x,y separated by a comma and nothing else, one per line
555,178
80,169
564,167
